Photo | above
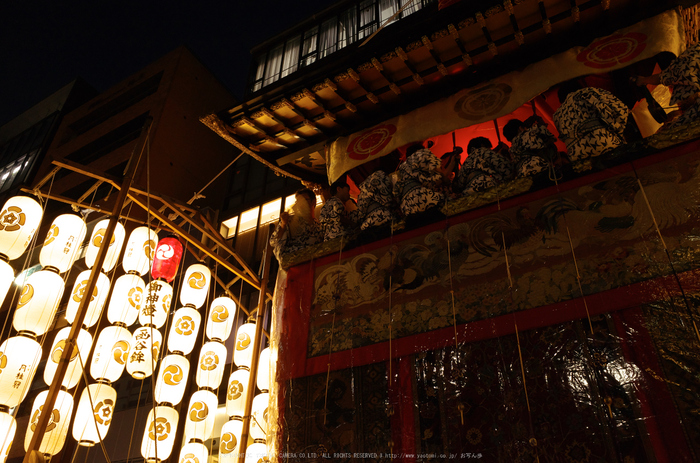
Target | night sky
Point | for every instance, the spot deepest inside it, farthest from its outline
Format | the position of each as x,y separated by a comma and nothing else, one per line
46,44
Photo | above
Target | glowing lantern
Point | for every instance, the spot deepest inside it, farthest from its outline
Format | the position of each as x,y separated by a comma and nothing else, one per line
156,305
7,276
38,302
19,219
257,452
221,317
167,259
8,427
140,249
201,415
258,422
195,286
236,392
111,353
184,329
194,452
75,366
19,358
97,298
63,242
210,368
263,378
94,414
243,352
57,428
230,439
172,379
115,245
159,434
127,299
143,356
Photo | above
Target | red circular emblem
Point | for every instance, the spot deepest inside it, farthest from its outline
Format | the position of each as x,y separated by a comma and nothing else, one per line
613,50
371,142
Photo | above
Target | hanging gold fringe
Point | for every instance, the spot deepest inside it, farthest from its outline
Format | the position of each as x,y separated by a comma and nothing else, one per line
690,23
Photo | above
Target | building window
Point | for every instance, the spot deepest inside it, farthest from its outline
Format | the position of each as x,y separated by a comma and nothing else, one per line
249,220
15,172
270,211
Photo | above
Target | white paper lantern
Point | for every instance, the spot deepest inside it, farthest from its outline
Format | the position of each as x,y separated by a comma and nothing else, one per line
172,379
243,352
115,245
57,428
263,378
8,428
195,285
19,359
211,364
75,367
156,304
94,414
256,453
258,420
110,354
143,356
159,434
7,276
127,299
201,414
97,299
184,329
229,445
221,317
19,219
236,392
36,308
62,244
140,247
194,452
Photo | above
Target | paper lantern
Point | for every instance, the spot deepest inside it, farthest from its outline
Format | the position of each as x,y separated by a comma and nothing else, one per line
221,316
8,428
236,392
201,414
229,445
159,434
127,299
115,245
19,219
37,305
57,428
94,414
7,276
256,453
258,421
184,329
172,379
195,286
263,378
75,367
167,259
110,354
194,452
140,250
143,356
210,368
97,298
243,352
19,358
156,304
62,244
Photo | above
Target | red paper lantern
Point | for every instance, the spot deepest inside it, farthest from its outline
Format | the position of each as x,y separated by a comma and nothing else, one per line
167,259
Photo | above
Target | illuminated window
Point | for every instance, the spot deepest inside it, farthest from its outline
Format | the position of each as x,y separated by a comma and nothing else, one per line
270,211
289,202
249,220
228,227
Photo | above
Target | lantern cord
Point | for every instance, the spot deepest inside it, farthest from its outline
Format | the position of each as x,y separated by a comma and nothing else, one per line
452,293
133,426
199,194
336,297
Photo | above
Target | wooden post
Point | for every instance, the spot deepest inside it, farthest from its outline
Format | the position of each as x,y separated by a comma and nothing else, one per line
82,308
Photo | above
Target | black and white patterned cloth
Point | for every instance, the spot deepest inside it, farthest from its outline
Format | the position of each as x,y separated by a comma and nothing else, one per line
374,204
419,184
331,216
591,122
529,150
683,76
305,233
483,169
